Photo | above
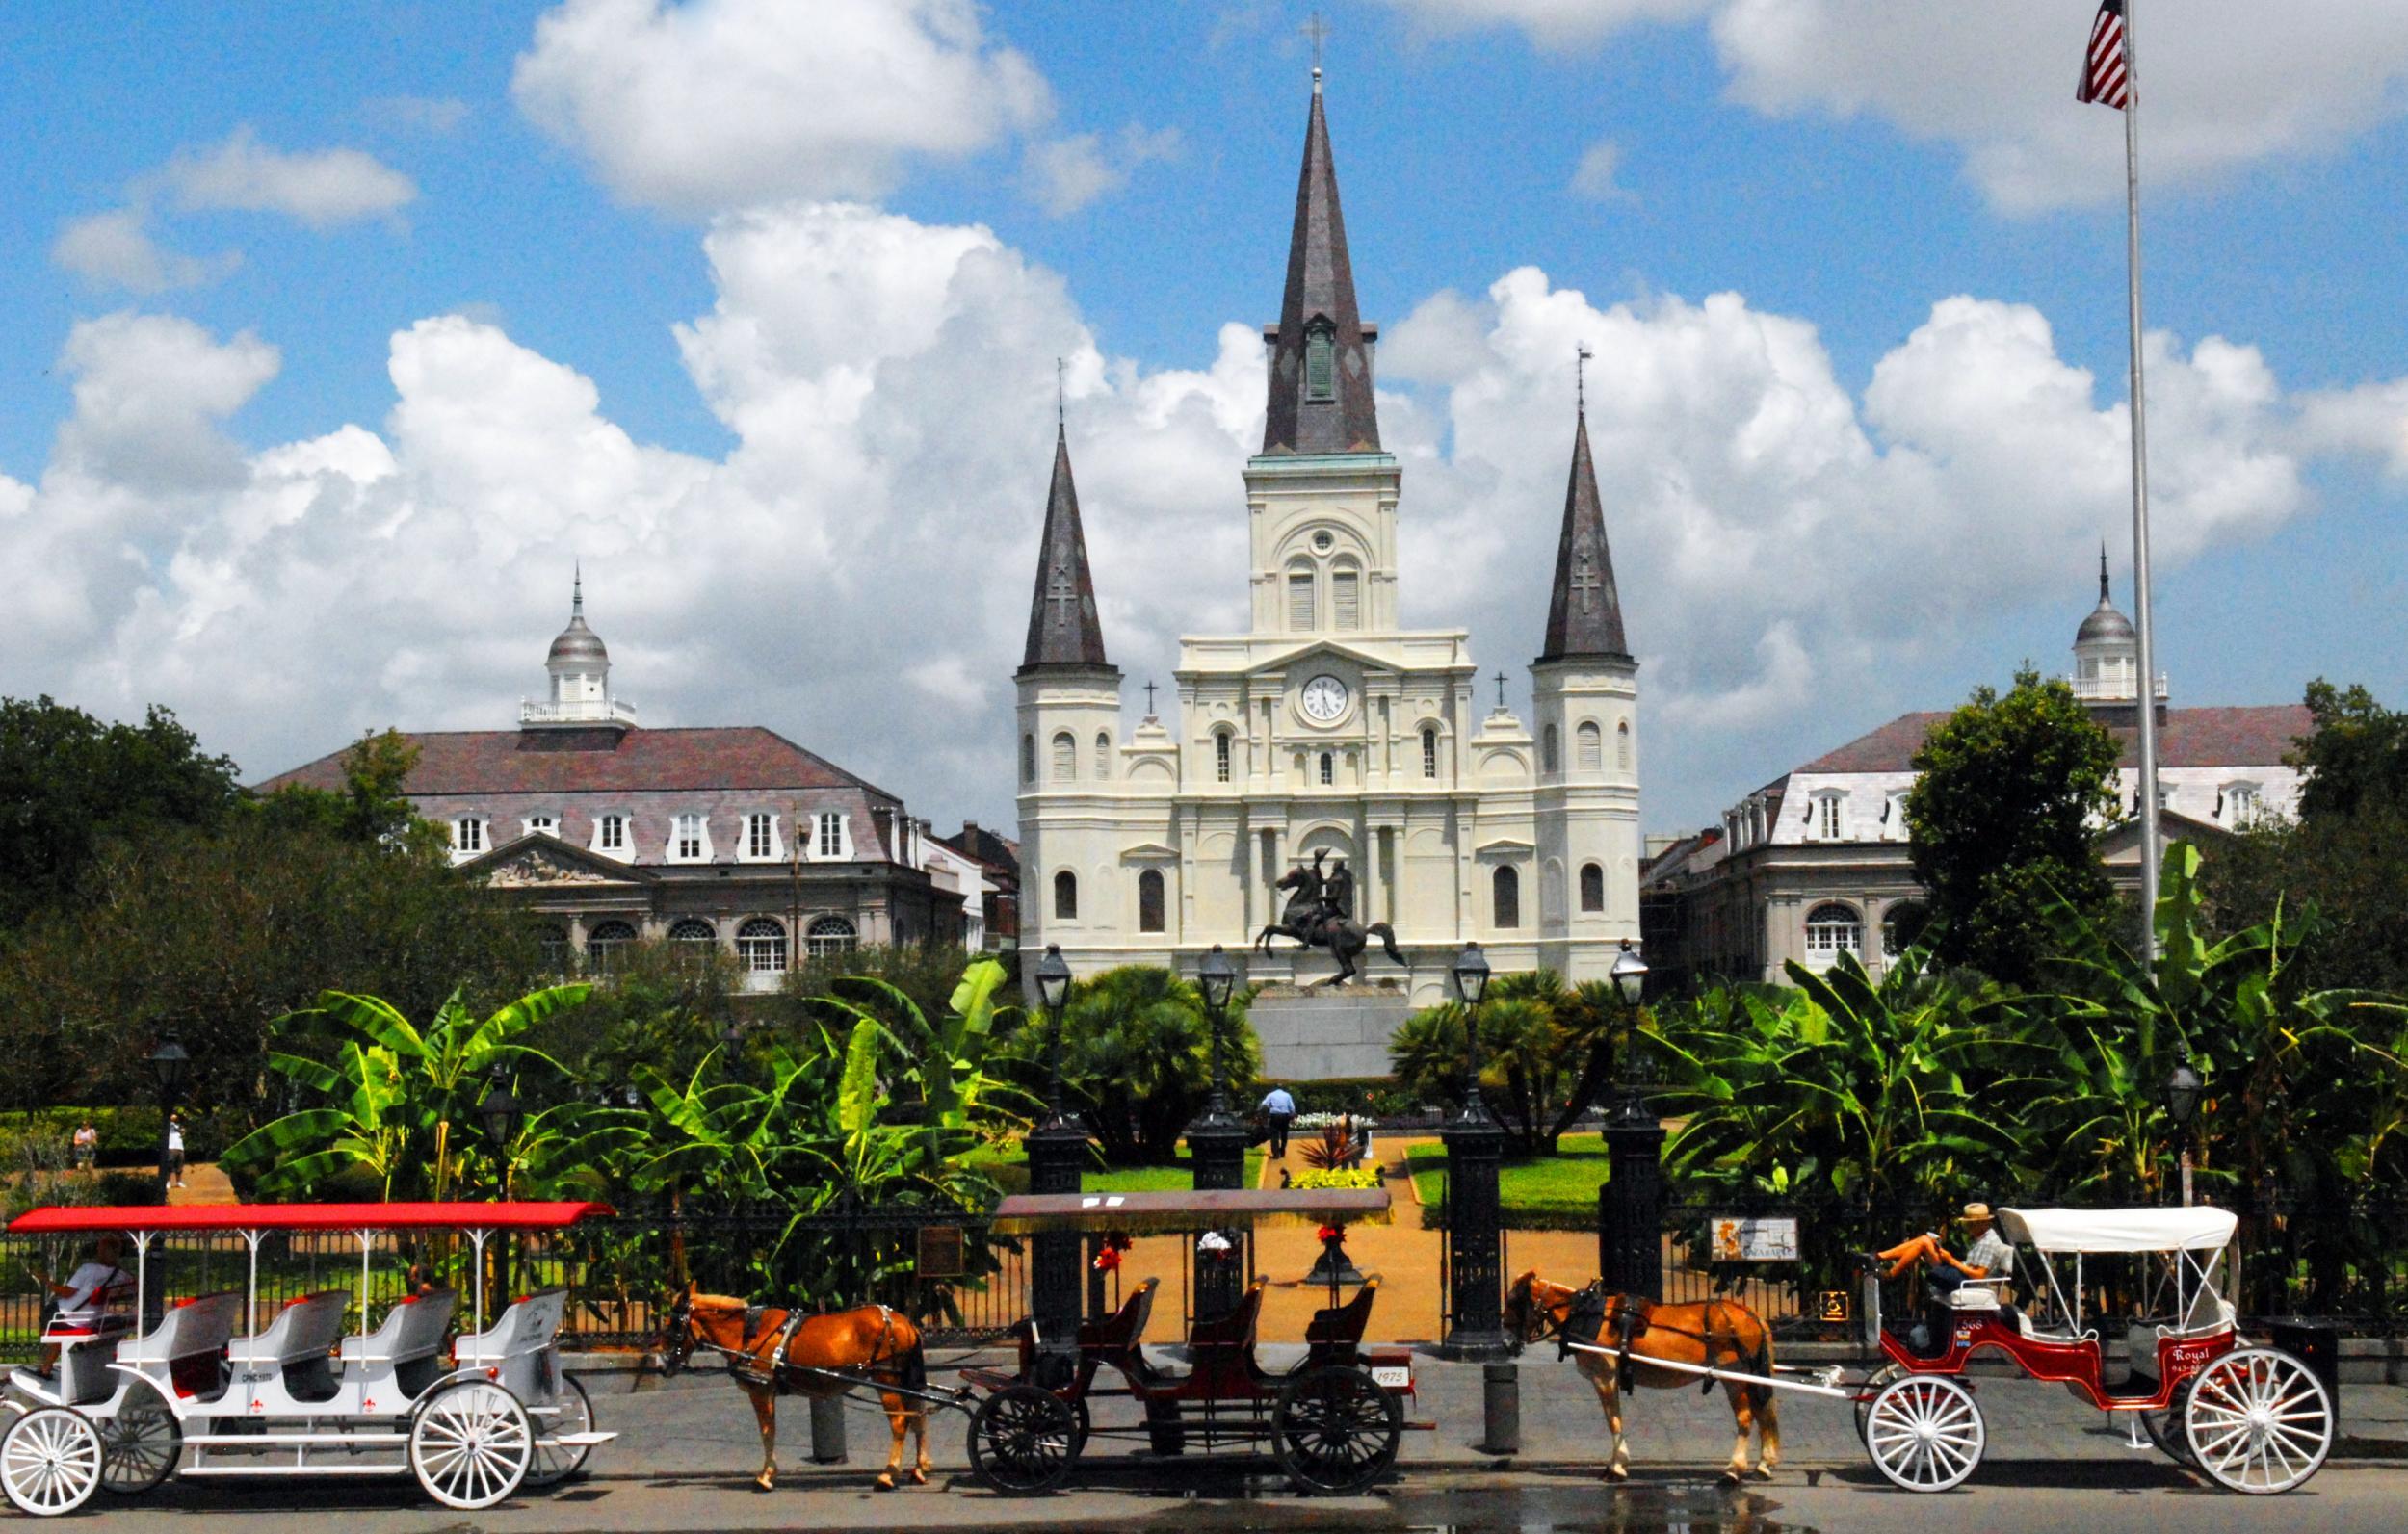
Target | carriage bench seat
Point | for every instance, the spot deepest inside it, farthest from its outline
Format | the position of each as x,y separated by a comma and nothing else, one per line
188,1344
87,1341
296,1347
1333,1336
516,1349
409,1345
1214,1342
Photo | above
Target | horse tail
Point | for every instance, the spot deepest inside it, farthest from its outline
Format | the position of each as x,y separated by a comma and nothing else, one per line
914,1365
1761,1395
1387,939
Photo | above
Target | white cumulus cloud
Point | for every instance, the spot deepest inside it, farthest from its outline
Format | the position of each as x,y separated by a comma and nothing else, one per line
320,188
114,249
715,104
1064,176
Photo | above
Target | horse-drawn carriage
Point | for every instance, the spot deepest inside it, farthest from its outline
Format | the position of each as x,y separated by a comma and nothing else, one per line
221,1385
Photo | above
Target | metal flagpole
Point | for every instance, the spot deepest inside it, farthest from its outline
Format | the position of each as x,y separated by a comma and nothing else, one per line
2149,849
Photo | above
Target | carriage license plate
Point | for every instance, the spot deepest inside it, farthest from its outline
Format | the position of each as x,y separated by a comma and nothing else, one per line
1392,1376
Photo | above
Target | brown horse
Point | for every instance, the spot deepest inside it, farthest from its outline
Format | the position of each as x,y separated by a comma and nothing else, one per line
772,1353
1718,1334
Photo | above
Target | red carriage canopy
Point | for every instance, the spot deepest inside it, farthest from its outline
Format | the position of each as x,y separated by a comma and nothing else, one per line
70,1220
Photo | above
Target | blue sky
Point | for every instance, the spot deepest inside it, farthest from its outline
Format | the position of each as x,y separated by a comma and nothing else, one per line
764,503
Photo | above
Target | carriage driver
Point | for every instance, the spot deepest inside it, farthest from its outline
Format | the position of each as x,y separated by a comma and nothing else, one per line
82,1297
1988,1257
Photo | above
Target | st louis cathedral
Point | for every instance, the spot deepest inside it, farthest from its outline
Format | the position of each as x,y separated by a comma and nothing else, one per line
1329,731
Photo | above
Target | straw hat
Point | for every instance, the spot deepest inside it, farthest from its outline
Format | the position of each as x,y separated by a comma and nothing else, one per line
1976,1211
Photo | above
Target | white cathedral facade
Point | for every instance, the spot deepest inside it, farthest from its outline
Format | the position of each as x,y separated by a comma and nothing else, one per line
1329,727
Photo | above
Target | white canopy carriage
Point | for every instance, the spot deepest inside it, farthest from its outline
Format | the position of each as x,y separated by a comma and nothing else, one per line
127,1407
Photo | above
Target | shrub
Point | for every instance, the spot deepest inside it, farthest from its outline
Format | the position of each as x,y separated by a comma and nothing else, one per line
1340,1177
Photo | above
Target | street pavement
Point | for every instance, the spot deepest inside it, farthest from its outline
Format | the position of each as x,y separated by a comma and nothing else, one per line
687,1451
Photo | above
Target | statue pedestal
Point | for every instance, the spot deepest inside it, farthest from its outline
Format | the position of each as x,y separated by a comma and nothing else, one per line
1319,1035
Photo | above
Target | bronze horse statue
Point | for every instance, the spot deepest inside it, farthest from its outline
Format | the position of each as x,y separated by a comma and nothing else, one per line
1617,1334
1318,923
772,1353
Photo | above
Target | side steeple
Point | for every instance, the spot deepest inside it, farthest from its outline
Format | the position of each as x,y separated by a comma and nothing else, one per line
1584,615
1063,630
1320,361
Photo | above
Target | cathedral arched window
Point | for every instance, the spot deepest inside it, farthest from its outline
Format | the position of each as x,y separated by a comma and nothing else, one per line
1300,598
1592,887
761,944
1103,754
552,943
1150,901
1506,892
1028,759
831,934
1065,897
1066,758
1550,751
1220,756
1833,929
1346,597
1429,751
1622,746
1592,747
603,943
1329,769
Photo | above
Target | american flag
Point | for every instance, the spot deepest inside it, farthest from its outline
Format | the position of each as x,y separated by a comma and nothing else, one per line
2105,77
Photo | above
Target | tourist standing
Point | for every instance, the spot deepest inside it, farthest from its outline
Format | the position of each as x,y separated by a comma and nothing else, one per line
174,1171
1278,1112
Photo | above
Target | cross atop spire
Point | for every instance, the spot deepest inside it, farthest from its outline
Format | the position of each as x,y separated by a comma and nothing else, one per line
1580,377
1063,630
1320,363
1319,30
1061,408
1584,614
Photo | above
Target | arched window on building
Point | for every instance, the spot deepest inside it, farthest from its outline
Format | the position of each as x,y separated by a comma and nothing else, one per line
1065,897
1103,754
603,942
1028,759
1550,751
694,933
552,943
1592,887
1150,901
1066,758
1299,598
829,934
1346,597
1507,893
1622,746
761,944
1329,769
1833,929
1220,756
1902,927
1592,747
1429,751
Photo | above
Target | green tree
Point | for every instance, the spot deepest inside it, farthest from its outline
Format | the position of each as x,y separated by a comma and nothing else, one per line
373,805
70,785
2002,818
1547,1051
1135,1058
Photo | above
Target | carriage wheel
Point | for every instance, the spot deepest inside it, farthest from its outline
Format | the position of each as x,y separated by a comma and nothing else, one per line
1022,1440
50,1460
1871,1387
1924,1433
140,1446
2258,1421
471,1444
2165,1428
571,1413
1337,1430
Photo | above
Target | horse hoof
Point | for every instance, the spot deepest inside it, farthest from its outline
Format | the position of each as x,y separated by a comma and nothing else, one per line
762,1483
919,1477
1730,1477
1761,1472
885,1483
1615,1475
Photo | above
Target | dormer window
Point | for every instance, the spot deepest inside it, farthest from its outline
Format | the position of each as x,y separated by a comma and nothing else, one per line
760,836
544,826
609,833
831,827
468,836
690,840
1830,816
1321,364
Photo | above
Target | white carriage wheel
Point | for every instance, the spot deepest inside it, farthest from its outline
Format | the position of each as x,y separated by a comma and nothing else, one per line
1871,1388
2258,1421
471,1444
572,1412
139,1443
50,1460
1924,1433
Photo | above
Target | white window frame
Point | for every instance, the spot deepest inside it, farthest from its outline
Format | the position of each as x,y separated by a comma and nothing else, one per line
2244,802
755,824
1588,746
622,848
471,836
831,837
1103,755
1830,822
754,950
678,825
548,824
819,944
1429,753
1823,938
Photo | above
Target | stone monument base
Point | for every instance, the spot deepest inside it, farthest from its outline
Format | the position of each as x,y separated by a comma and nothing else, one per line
1321,1035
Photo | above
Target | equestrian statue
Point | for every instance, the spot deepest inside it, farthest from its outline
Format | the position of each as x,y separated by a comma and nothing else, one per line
1321,914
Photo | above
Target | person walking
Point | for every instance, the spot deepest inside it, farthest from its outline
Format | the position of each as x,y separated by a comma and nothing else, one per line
86,1147
174,1171
1278,1112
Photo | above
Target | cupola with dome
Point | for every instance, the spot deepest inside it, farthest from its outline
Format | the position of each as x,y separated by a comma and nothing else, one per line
2106,660
579,666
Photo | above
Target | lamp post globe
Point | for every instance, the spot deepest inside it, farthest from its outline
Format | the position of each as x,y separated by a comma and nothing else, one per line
1471,983
1471,974
2181,1092
501,1117
1216,977
1630,976
169,1064
1053,991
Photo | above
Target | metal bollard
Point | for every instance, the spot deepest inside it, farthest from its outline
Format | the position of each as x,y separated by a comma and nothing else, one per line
827,1430
1500,1403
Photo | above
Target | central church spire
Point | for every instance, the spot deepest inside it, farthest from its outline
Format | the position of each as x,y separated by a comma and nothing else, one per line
1064,629
1321,364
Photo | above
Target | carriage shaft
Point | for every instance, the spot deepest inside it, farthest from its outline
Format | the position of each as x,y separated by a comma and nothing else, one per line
1734,1376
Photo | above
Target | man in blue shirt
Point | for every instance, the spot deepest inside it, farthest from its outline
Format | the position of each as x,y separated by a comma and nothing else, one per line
1279,1111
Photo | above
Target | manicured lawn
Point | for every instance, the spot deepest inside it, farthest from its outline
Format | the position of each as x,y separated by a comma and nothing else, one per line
1567,1180
1011,1170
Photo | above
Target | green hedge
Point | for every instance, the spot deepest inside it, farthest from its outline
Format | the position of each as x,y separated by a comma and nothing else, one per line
129,1136
1348,1095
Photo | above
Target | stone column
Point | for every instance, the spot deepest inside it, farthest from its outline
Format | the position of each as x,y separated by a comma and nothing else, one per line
1058,1156
1630,1207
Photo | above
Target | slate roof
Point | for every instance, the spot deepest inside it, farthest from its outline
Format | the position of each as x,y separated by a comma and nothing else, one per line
2253,735
1584,614
1064,629
598,760
1320,291
995,851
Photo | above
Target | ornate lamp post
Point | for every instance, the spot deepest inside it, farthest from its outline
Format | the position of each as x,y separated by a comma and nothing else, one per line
1056,1159
2181,1103
1217,1137
1475,1216
169,1064
1630,1207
